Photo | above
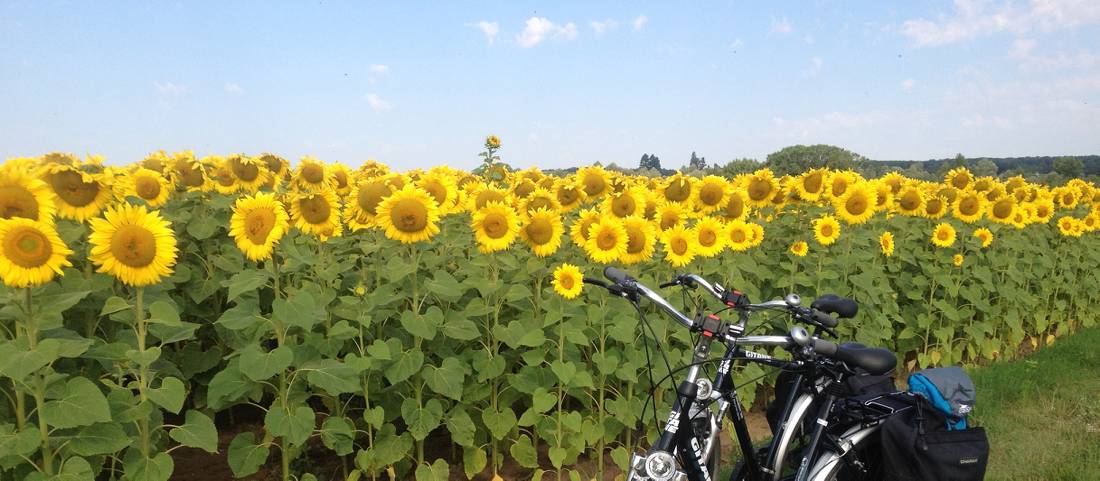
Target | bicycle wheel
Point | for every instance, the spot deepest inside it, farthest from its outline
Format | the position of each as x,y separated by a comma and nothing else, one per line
862,462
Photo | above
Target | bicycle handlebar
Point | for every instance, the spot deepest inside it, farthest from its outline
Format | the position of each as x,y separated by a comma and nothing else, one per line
630,286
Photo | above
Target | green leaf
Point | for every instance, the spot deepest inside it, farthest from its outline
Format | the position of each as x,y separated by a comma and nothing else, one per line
557,456
437,471
18,443
258,365
79,403
388,449
499,423
163,312
169,334
294,425
17,362
379,350
474,461
74,469
564,370
333,376
227,386
114,304
446,379
407,364
375,416
444,285
422,325
421,420
169,395
245,281
523,451
198,431
461,426
245,456
243,315
140,468
337,434
144,358
461,329
299,309
542,400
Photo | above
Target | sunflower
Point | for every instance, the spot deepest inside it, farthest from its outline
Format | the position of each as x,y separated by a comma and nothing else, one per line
187,173
669,215
316,213
826,230
259,221
943,235
442,188
492,142
542,231
538,199
311,174
594,180
579,230
277,167
857,204
148,185
679,246
484,194
568,281
969,206
935,207
895,180
756,234
223,179
1091,222
800,248
710,236
811,184
910,201
840,181
524,187
1044,210
78,195
884,197
156,161
739,235
735,207
1067,226
761,187
495,227
251,172
568,194
1065,197
985,236
886,243
339,177
957,260
625,203
710,194
678,188
607,240
641,239
958,178
408,215
134,244
25,196
1021,218
361,207
31,253
1003,210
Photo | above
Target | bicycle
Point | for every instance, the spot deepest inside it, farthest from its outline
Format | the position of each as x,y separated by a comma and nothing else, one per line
698,458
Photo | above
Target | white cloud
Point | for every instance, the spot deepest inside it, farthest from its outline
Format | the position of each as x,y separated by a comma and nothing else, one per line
379,69
815,66
908,84
1023,50
736,44
538,29
972,18
377,104
809,39
640,22
169,88
490,29
781,26
233,89
602,27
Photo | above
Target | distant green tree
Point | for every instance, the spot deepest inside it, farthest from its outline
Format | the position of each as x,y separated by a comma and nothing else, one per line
916,171
1069,167
985,167
650,162
696,162
734,167
800,158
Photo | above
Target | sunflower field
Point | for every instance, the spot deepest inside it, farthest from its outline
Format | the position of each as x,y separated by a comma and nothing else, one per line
432,324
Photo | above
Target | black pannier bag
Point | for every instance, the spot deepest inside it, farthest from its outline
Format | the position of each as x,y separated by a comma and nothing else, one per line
860,385
918,446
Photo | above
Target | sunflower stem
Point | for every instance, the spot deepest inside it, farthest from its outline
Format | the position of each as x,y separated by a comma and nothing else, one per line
39,387
143,370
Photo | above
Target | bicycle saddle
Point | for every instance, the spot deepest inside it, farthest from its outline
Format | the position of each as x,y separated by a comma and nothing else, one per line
874,360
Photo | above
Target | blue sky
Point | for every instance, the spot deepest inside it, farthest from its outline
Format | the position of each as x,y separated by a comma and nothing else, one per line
562,83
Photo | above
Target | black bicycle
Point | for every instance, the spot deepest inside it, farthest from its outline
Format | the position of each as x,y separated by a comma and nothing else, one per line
687,446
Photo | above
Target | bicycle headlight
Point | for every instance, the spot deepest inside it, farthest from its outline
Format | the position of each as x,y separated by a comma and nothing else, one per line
660,466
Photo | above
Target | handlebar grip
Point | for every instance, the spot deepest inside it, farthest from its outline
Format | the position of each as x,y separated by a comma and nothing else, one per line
616,276
824,319
825,348
841,306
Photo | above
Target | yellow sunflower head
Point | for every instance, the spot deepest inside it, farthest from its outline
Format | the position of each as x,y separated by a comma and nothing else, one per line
134,244
625,203
277,167
886,243
78,195
826,230
884,197
579,230
757,232
31,253
607,240
800,248
1067,226
568,281
594,180
316,213
259,221
542,231
735,207
221,176
985,236
969,206
710,194
443,188
857,204
24,196
409,215
187,173
157,162
149,186
539,199
710,236
840,181
311,174
943,235
760,187
484,194
935,207
739,235
811,184
495,227
362,205
523,187
641,239
492,142
1044,210
679,246
1002,210
910,201
957,260
958,178
669,215
677,189
895,180
568,194
1066,197
251,172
